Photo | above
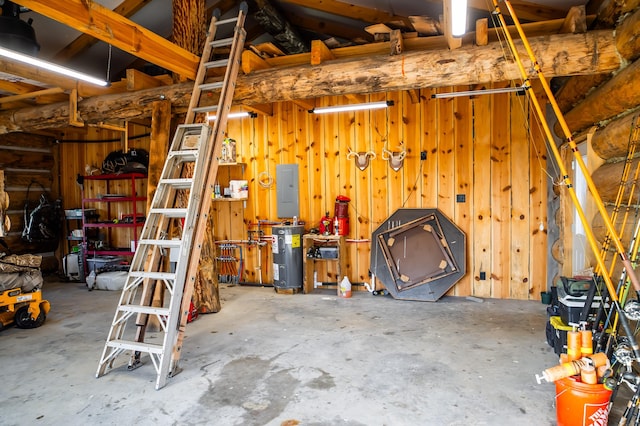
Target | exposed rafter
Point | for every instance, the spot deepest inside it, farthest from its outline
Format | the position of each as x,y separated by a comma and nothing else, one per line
127,8
526,11
102,23
339,8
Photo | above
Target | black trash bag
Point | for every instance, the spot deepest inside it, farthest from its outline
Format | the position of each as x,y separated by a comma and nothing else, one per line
136,160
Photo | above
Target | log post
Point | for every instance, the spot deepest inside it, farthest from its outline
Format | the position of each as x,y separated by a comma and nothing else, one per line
189,31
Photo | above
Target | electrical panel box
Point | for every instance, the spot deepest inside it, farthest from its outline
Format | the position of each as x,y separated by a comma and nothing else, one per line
287,190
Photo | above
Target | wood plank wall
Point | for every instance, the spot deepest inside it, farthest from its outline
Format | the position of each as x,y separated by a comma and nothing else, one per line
76,155
28,162
480,148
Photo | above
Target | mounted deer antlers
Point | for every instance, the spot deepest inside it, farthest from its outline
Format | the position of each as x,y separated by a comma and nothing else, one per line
362,158
396,159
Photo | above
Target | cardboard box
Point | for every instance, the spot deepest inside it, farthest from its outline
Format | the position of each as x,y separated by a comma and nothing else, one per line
239,188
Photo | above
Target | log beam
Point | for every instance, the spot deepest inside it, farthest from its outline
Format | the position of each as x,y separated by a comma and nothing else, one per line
612,98
559,55
610,11
576,88
607,180
627,37
612,141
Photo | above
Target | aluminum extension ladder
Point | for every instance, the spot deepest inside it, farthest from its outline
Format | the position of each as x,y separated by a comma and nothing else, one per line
193,152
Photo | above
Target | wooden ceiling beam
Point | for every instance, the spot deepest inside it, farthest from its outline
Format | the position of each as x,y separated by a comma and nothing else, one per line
30,95
347,10
576,20
525,11
590,53
252,62
320,52
137,80
102,23
327,27
412,44
127,8
18,87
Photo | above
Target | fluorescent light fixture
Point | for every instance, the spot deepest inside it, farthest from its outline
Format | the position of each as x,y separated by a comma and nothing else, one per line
520,89
352,107
235,115
51,67
458,17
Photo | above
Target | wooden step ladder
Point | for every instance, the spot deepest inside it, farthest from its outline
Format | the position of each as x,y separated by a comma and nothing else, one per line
189,174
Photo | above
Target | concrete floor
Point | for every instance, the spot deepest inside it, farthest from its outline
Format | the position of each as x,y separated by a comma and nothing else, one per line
266,359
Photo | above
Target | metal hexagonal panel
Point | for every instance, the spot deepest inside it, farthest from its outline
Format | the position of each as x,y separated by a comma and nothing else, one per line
418,254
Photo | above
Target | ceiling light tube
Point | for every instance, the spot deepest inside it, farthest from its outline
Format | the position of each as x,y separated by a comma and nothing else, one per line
352,107
235,115
520,89
51,67
458,17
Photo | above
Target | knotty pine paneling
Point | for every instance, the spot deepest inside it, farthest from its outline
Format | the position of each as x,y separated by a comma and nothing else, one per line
477,147
76,155
463,216
469,144
479,237
500,196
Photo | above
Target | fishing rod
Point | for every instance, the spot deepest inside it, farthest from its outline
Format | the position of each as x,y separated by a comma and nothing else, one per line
565,175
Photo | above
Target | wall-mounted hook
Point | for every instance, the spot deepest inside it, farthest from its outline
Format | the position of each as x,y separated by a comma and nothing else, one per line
362,158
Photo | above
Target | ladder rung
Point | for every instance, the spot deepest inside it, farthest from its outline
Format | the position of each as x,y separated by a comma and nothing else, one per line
178,183
184,155
139,309
211,108
168,212
135,346
153,275
222,42
227,21
216,64
161,243
212,86
192,129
